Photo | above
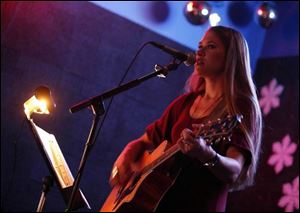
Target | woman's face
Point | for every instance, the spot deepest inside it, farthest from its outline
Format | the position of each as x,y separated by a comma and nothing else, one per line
210,57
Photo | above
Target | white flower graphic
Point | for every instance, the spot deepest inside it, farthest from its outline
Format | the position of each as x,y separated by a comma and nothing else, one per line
269,96
290,199
282,154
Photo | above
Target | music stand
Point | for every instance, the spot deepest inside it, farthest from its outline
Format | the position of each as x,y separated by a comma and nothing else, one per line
57,165
52,154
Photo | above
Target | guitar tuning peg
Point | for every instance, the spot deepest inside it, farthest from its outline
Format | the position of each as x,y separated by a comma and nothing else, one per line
229,137
207,141
229,117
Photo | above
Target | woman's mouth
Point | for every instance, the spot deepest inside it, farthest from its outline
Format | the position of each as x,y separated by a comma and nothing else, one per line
200,62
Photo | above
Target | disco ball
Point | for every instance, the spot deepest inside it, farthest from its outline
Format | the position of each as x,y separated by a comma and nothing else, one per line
197,12
267,14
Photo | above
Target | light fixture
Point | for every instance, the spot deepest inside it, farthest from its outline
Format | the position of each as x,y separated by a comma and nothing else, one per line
267,14
214,19
197,12
41,102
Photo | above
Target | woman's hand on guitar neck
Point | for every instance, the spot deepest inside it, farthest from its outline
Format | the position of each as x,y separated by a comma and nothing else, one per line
195,147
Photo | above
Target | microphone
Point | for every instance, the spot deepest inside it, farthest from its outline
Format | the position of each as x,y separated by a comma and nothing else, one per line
187,58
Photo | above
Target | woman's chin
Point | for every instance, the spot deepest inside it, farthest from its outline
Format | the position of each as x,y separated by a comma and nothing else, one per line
200,69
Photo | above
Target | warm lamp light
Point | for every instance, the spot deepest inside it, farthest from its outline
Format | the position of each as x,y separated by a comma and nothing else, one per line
40,103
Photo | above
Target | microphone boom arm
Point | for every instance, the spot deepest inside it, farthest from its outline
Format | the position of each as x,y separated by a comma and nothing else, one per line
159,70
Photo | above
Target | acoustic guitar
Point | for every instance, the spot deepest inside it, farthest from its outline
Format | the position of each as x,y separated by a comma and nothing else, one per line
155,172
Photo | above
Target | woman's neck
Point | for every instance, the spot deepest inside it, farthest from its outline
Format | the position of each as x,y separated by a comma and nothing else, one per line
213,88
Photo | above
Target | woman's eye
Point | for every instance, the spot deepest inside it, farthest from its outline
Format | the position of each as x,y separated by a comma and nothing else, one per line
210,46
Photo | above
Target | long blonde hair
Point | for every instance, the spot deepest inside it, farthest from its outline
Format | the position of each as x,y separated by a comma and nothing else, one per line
240,96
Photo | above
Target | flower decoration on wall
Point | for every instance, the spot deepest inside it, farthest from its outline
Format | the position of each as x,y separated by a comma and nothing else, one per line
269,96
290,199
282,154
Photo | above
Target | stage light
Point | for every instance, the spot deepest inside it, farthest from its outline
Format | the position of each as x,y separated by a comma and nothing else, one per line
41,102
267,14
214,19
197,12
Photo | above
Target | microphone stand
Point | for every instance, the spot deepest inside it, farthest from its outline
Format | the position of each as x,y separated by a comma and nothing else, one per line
97,105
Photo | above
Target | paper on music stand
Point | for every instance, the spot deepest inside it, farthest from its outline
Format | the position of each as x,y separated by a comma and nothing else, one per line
56,159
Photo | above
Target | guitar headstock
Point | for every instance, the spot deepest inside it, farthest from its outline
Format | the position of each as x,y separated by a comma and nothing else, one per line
215,131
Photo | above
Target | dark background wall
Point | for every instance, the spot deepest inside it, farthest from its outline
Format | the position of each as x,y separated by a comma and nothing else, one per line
79,51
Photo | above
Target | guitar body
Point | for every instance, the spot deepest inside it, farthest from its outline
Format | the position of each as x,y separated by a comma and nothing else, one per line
144,193
154,173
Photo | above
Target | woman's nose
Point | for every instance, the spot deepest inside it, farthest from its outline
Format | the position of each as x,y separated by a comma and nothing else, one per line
201,52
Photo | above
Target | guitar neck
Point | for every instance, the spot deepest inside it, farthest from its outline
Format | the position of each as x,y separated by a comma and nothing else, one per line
167,154
214,132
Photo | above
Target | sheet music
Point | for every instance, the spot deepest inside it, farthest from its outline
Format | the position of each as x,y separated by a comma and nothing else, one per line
56,157
57,160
